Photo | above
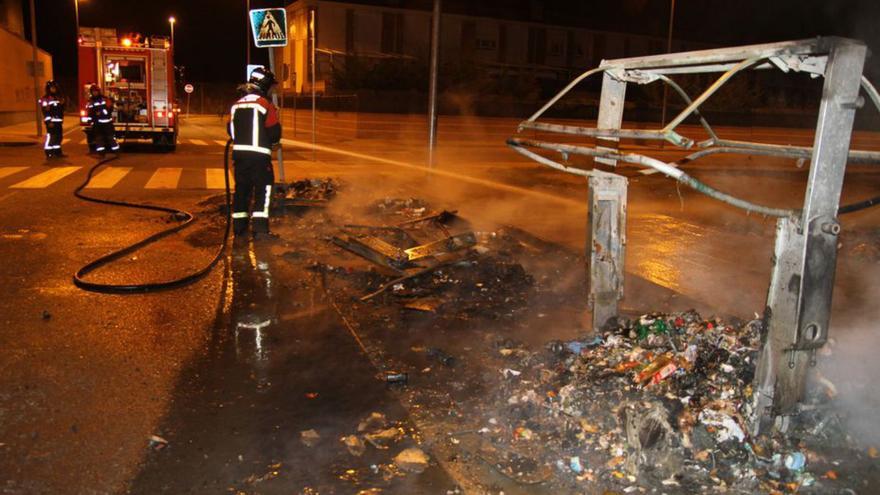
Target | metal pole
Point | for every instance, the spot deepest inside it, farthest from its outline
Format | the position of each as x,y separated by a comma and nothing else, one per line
314,82
76,11
606,243
799,301
432,85
36,82
275,102
668,50
247,34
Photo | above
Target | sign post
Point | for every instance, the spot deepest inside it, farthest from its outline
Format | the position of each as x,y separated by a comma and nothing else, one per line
188,89
269,27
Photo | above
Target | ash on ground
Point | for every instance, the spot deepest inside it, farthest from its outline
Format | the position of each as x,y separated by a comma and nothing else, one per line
469,329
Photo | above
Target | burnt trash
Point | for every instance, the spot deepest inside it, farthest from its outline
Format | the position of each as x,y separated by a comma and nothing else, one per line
396,379
441,357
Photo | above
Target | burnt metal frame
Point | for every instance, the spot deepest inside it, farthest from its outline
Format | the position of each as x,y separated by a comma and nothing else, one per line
799,297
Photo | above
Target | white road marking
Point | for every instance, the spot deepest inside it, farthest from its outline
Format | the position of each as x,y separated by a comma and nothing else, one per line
7,171
221,142
65,141
573,203
214,179
45,179
84,141
108,177
165,178
198,142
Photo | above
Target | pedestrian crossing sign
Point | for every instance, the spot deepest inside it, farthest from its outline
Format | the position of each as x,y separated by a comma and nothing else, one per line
269,27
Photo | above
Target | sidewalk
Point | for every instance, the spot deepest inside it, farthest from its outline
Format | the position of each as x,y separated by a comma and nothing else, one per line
22,134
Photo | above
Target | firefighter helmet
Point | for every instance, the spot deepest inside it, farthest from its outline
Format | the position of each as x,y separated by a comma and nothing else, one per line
51,87
94,88
262,79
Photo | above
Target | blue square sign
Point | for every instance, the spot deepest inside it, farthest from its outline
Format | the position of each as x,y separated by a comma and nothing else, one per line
269,27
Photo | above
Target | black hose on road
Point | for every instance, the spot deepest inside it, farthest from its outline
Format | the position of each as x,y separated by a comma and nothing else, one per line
186,217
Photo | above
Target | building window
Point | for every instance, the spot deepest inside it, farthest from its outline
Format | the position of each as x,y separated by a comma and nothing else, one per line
392,32
349,31
502,43
537,46
484,44
468,39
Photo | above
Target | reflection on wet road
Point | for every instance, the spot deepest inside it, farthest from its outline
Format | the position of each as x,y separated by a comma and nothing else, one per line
278,365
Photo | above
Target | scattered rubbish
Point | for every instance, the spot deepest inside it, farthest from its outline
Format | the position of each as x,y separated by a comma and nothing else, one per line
872,452
157,442
795,462
309,437
441,357
426,304
576,346
310,192
575,465
412,460
311,395
396,378
382,439
354,444
46,315
374,421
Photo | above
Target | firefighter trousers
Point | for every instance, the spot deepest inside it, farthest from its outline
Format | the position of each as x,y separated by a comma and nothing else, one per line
104,137
54,133
253,180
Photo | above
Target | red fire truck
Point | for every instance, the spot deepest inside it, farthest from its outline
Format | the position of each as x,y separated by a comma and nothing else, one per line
138,75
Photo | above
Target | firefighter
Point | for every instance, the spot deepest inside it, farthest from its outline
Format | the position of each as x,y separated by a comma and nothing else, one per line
254,129
53,116
99,112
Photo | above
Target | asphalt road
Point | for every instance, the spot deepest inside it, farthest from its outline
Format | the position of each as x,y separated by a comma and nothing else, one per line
86,379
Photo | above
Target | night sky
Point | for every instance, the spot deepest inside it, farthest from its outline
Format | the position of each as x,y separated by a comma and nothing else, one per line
210,34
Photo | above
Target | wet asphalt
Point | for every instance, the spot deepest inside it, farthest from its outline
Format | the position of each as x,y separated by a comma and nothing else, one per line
84,390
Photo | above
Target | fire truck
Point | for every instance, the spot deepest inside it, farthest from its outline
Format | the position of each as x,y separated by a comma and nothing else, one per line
137,74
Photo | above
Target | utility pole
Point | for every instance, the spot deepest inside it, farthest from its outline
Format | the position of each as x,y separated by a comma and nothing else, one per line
247,33
432,85
314,81
36,81
668,50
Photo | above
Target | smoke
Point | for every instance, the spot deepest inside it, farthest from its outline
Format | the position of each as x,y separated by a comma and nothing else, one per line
850,360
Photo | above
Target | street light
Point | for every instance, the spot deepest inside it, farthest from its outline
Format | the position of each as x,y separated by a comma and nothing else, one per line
76,9
172,20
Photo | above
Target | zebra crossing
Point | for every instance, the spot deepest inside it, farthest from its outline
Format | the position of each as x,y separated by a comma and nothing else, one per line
39,177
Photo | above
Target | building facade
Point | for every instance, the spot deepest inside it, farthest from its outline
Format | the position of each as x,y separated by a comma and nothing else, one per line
375,32
16,67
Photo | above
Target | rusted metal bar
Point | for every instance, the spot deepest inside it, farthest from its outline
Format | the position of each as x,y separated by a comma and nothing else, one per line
564,92
746,147
512,142
375,250
687,99
811,46
610,133
709,92
668,169
447,245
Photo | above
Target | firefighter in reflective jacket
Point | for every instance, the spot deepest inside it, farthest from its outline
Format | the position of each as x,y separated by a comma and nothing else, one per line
99,113
254,129
53,116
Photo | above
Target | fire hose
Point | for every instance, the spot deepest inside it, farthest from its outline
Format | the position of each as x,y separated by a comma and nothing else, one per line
186,218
